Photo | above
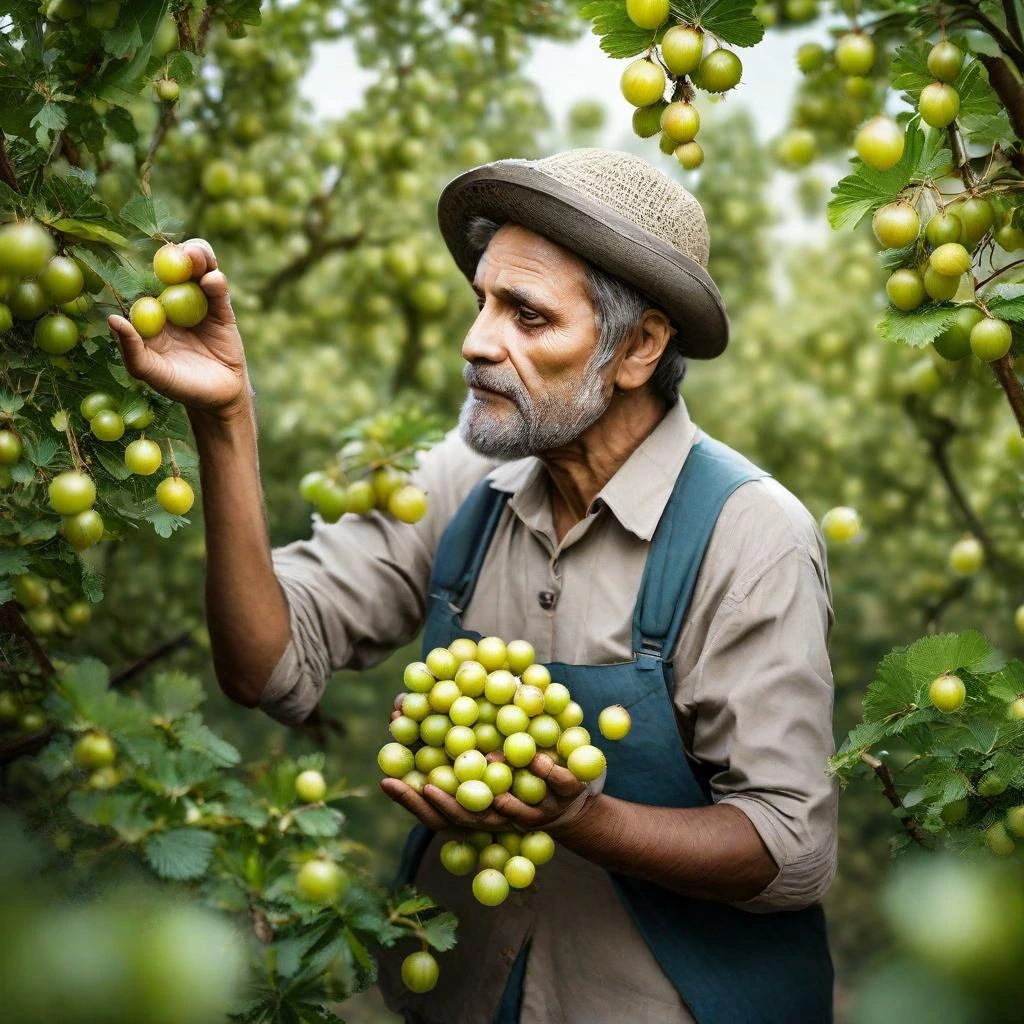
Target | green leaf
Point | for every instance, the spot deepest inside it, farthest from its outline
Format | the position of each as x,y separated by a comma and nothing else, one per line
183,66
123,812
113,464
87,231
151,216
440,931
1007,308
620,37
178,771
171,694
192,734
13,561
862,192
72,195
732,21
890,259
181,853
55,758
948,652
414,905
92,582
919,327
121,123
240,802
1008,683
51,117
319,821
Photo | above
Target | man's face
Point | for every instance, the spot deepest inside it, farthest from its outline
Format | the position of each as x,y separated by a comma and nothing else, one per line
528,352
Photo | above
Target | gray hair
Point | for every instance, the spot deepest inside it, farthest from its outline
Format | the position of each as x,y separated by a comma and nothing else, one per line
618,309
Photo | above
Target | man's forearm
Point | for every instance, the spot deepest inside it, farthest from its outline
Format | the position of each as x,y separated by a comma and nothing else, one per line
246,611
711,852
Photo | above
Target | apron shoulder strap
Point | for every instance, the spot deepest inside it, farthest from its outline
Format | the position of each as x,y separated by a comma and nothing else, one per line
711,472
464,543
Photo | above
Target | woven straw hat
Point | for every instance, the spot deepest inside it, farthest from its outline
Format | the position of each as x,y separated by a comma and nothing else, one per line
614,210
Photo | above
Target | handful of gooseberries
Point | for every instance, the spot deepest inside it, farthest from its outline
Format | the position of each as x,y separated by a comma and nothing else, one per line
468,700
371,469
182,301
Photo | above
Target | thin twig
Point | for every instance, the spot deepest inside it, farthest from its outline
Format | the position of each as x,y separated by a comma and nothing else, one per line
166,119
11,622
1012,16
889,789
11,750
1006,44
933,612
1007,88
161,651
996,273
318,249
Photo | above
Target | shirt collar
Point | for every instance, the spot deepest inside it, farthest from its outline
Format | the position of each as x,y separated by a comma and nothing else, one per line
638,492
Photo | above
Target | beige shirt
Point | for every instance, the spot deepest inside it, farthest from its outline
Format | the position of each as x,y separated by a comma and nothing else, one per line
753,696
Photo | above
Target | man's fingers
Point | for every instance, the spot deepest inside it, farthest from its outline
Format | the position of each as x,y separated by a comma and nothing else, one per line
398,701
414,803
523,815
138,359
474,820
560,781
215,285
201,253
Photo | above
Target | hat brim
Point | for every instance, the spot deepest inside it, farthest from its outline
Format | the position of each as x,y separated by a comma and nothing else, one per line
520,193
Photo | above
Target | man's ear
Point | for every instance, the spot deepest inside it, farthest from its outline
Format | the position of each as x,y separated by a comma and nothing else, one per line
644,350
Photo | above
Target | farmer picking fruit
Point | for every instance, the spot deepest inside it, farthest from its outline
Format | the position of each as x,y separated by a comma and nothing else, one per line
649,566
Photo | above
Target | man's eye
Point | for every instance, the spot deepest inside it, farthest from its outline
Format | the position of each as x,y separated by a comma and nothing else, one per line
528,317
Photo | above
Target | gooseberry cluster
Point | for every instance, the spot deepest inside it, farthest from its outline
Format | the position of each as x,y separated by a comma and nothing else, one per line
182,302
680,57
39,597
472,699
37,283
319,879
371,469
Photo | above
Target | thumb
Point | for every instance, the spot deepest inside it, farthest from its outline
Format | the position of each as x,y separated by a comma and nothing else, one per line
215,286
138,359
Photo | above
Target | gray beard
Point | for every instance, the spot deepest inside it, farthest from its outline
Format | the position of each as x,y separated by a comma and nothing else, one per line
525,427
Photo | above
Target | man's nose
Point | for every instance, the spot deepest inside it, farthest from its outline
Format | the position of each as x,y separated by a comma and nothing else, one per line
484,340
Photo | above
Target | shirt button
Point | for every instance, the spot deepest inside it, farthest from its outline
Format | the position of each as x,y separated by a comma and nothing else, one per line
547,599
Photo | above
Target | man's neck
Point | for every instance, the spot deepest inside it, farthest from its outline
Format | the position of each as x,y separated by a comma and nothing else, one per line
579,470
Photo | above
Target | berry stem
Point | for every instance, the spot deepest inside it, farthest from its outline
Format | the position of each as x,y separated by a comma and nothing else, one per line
893,796
996,273
170,453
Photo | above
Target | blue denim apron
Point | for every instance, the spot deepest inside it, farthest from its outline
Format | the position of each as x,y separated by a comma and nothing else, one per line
729,966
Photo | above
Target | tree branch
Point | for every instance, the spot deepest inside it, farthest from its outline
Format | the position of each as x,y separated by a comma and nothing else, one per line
6,168
161,651
889,789
1012,16
1007,377
11,622
933,612
1006,44
166,118
1007,88
318,249
11,750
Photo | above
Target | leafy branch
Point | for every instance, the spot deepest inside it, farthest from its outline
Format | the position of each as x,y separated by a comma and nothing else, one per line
892,795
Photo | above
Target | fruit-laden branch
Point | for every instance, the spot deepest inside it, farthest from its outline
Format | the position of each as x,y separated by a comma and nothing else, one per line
167,647
6,168
1007,88
1007,377
318,249
889,788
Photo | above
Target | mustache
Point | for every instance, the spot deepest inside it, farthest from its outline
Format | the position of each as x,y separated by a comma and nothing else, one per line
491,380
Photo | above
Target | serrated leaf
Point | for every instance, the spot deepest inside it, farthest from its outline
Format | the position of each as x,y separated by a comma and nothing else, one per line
192,734
113,464
620,37
51,117
59,420
13,561
240,802
183,66
151,216
292,947
181,853
890,259
319,821
1008,683
440,931
123,812
55,758
41,529
918,327
1007,308
178,771
121,124
171,694
72,195
947,652
732,21
88,231
863,191
414,905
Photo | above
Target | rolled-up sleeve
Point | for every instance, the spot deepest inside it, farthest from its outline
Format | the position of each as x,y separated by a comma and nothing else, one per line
764,700
356,589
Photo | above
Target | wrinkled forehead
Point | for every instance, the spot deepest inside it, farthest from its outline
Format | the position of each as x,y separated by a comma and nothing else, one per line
516,255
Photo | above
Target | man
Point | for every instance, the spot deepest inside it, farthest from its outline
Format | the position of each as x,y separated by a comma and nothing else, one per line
580,508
